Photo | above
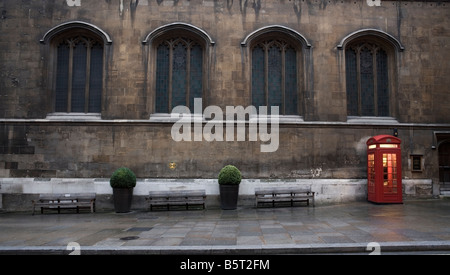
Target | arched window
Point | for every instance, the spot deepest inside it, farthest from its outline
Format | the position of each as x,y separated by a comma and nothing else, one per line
371,67
75,55
278,59
179,62
367,77
79,74
179,73
274,76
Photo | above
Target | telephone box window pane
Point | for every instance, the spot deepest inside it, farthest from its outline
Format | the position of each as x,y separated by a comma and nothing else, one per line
388,146
371,173
390,173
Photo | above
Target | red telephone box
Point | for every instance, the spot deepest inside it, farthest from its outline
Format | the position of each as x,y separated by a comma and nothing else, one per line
384,169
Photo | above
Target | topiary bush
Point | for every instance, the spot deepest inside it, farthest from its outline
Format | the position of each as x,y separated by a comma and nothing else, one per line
123,178
230,175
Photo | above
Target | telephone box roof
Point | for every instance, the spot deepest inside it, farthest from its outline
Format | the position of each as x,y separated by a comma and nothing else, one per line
384,139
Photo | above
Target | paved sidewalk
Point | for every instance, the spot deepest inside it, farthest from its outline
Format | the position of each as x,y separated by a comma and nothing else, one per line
420,225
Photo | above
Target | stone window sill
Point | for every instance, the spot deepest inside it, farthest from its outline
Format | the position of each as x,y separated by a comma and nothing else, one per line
200,118
74,116
371,120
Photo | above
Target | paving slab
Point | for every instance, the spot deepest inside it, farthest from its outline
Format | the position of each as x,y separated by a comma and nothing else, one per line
419,225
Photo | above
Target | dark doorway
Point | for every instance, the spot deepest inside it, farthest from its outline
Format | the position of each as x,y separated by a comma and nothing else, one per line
444,163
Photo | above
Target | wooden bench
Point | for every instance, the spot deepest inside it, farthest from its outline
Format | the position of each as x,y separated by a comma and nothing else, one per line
65,201
286,195
176,198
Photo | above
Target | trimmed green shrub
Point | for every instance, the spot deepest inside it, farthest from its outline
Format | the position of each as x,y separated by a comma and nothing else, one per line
230,175
123,178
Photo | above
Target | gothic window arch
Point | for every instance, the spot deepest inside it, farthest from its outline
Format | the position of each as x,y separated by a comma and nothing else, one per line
75,54
79,74
179,63
367,78
179,73
370,71
275,76
279,58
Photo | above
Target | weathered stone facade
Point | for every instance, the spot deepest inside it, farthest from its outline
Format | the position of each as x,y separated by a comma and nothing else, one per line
322,142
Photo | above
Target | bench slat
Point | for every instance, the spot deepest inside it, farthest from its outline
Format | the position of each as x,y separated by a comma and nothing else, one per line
281,191
65,201
68,195
182,197
273,195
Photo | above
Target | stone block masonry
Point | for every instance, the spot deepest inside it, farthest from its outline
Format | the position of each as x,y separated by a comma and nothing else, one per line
24,75
320,142
94,149
19,192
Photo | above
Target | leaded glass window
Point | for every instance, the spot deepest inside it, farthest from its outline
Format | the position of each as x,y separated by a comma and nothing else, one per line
274,76
179,74
367,80
79,75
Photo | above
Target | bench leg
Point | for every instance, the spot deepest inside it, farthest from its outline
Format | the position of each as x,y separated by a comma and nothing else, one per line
42,210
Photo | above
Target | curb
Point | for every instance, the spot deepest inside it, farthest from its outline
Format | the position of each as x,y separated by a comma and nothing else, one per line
339,248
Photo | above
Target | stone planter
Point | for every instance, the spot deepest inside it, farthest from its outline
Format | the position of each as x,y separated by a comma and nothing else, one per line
122,199
229,196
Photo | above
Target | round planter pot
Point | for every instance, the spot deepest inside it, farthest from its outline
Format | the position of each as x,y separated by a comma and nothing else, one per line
229,196
122,199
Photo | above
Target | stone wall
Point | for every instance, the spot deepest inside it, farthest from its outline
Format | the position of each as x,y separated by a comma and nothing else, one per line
320,144
421,27
95,149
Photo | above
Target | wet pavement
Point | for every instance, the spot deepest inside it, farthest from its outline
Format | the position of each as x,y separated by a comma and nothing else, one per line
421,226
